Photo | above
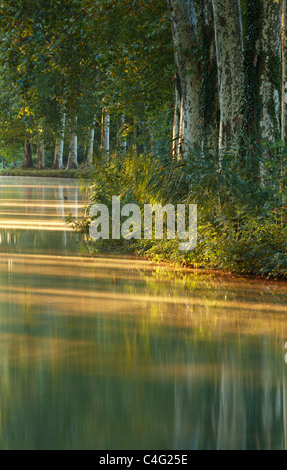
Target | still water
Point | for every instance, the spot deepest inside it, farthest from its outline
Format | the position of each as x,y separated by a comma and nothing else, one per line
116,353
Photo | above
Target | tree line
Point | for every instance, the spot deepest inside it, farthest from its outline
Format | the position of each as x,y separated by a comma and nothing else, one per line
83,69
208,73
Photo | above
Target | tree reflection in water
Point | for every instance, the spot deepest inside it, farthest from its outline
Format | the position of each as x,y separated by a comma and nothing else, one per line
111,353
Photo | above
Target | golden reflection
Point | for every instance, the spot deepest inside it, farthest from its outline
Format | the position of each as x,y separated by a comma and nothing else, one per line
41,201
61,270
11,215
51,228
207,317
40,225
119,297
79,353
53,205
73,187
31,223
125,263
133,268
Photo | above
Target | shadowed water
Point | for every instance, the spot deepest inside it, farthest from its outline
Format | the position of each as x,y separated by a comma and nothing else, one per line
116,353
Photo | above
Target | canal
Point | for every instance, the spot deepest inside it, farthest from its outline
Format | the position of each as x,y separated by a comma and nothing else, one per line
117,353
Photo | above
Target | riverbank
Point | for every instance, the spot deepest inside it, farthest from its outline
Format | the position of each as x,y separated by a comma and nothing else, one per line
167,257
47,173
241,228
164,268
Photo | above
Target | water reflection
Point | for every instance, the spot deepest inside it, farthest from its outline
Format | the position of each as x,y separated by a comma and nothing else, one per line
110,353
29,209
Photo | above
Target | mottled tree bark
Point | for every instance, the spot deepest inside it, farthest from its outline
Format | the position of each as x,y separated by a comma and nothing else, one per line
271,66
209,91
185,38
228,36
90,152
73,146
105,137
59,147
28,161
41,155
177,121
124,143
284,73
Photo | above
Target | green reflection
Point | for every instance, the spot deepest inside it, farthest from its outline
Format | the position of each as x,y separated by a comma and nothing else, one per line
116,354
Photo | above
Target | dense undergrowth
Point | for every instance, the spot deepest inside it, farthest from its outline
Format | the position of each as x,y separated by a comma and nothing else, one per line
241,222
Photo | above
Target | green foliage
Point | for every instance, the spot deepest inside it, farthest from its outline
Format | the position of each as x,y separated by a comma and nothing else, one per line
242,226
82,56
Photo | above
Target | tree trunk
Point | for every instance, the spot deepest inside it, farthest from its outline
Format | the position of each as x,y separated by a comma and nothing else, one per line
271,75
124,143
59,147
228,37
177,123
40,155
28,161
90,153
252,105
284,94
73,146
185,39
284,75
209,92
105,138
